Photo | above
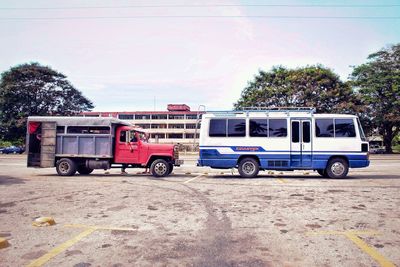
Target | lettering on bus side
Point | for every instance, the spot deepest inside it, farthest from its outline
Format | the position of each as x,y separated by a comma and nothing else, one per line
248,148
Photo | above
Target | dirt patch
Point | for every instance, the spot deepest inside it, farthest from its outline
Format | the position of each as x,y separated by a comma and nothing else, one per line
313,226
72,252
33,255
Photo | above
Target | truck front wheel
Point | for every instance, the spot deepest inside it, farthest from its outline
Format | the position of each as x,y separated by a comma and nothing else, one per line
66,167
159,168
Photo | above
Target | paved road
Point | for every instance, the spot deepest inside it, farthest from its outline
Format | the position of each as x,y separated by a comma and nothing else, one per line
200,217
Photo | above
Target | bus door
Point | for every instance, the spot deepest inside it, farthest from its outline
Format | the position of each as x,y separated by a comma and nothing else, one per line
300,148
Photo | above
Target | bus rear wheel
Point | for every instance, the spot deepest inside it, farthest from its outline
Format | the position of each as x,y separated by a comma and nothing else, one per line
248,168
337,168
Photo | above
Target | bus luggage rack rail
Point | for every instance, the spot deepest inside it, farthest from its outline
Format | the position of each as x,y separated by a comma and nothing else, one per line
310,110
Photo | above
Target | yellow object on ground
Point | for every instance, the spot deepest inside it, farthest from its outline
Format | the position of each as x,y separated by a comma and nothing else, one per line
43,221
3,243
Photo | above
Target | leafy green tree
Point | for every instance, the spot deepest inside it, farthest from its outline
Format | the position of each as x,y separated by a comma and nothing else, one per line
311,86
33,89
378,82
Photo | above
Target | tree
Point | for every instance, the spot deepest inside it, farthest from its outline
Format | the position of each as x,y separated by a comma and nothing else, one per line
33,89
311,86
378,82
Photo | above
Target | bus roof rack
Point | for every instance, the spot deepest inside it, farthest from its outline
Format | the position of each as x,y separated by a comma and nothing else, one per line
305,109
265,110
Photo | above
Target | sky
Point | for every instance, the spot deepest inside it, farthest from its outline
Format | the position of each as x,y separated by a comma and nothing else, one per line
123,62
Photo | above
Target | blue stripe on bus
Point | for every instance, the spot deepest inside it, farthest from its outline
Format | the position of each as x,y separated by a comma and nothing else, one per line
261,149
212,158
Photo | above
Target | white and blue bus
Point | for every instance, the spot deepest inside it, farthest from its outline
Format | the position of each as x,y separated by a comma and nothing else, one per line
292,139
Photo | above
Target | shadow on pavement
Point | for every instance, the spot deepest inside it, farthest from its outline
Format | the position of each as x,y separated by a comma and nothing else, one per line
8,180
309,177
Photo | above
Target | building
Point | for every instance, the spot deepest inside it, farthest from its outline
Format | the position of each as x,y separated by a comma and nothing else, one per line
176,125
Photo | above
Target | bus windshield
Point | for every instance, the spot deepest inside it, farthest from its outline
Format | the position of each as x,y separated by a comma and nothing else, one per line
360,129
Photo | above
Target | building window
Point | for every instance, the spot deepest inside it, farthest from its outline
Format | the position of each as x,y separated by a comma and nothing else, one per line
176,116
125,116
159,116
175,126
191,136
158,126
259,128
344,128
88,130
277,127
324,128
191,116
236,127
158,135
143,126
175,136
190,126
92,115
217,128
142,116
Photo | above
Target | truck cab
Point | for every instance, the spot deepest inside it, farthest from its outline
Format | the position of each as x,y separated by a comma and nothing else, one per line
82,144
132,148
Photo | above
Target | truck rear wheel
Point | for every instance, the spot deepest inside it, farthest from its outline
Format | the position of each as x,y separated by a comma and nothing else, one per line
337,168
159,168
84,170
66,167
248,168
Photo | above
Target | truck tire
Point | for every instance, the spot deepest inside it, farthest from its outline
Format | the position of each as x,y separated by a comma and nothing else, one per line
248,168
159,168
66,167
322,173
84,170
337,168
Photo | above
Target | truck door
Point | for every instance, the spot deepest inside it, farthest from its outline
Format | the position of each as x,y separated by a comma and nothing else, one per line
300,149
126,147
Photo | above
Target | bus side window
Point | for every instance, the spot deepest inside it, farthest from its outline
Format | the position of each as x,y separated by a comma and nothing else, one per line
324,128
217,128
306,132
344,128
295,131
277,127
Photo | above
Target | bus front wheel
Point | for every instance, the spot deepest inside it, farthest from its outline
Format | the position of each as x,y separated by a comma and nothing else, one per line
248,168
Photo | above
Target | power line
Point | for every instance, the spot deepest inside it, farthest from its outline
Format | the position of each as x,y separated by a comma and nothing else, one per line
204,17
205,5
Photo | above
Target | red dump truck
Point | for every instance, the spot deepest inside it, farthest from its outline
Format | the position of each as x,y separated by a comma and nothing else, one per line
82,144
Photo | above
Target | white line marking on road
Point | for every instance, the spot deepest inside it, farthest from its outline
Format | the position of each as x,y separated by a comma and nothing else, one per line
198,176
